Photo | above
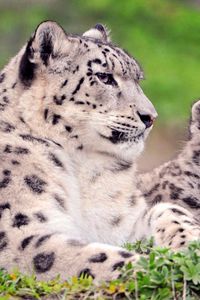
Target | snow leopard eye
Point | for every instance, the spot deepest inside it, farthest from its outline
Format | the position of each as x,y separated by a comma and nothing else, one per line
106,78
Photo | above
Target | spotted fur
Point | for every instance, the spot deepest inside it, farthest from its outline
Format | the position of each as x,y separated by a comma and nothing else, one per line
73,121
178,182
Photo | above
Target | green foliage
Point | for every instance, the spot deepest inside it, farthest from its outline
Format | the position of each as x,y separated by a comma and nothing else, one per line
159,275
162,35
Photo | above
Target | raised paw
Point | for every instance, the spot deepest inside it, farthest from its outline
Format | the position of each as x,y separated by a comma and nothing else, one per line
174,226
177,234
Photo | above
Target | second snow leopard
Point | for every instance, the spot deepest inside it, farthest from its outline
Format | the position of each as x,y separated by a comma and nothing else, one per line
178,181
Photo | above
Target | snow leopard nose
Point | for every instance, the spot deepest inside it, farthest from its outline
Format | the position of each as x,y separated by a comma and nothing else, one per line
147,119
146,111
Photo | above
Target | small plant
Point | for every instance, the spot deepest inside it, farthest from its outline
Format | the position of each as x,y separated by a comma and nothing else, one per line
160,274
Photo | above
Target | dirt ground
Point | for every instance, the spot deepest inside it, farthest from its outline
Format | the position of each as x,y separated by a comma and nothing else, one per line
163,144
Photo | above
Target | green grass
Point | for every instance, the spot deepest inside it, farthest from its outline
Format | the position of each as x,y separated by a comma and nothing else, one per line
161,275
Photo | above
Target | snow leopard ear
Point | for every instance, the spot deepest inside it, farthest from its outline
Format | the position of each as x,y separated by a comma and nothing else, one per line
99,32
48,41
195,118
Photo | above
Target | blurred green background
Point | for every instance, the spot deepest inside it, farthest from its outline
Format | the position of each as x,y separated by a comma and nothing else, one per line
164,36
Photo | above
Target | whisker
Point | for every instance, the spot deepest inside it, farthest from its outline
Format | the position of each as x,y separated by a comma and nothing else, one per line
120,129
108,121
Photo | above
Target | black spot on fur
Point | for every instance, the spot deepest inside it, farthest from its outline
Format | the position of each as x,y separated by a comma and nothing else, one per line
8,149
20,220
119,94
116,220
175,191
89,63
196,157
15,162
183,236
26,242
152,190
190,174
5,100
175,169
41,218
56,119
6,179
132,200
74,136
192,202
27,68
188,222
68,128
116,136
2,77
16,150
60,201
55,160
6,127
22,120
177,211
118,265
64,83
42,239
86,273
78,86
98,258
79,103
95,61
93,82
75,243
3,207
3,240
46,113
125,254
14,85
21,150
75,70
57,144
80,147
43,262
85,45
157,199
176,222
6,172
59,100
35,183
30,138
122,165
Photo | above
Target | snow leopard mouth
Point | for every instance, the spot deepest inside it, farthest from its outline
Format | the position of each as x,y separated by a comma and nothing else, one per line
118,137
